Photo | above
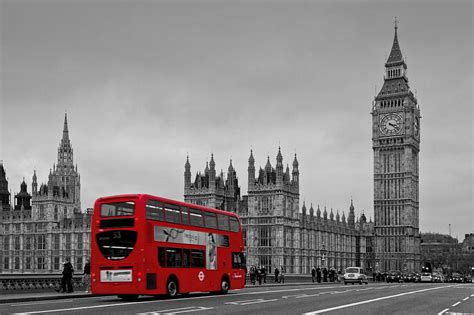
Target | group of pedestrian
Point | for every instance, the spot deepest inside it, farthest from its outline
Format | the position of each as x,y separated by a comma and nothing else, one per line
258,274
318,275
66,279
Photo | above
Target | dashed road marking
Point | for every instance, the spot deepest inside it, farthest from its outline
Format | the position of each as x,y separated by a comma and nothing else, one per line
456,304
465,299
248,302
180,310
443,311
41,302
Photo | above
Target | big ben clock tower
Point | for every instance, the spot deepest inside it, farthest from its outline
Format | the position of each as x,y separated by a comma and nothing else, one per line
396,144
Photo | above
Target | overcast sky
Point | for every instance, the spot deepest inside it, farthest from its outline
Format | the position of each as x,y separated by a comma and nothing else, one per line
144,83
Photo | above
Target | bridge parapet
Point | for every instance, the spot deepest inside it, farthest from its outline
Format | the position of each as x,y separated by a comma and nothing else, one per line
33,282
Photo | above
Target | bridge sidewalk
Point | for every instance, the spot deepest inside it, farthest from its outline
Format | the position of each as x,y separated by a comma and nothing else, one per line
43,296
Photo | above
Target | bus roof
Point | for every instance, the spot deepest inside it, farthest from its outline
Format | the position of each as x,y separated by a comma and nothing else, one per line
148,196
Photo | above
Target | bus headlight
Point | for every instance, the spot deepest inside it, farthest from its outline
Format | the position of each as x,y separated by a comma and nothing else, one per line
139,279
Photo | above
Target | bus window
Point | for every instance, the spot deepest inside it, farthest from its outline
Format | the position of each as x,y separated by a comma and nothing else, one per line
238,261
186,258
154,211
185,216
172,214
161,256
234,224
117,209
195,217
116,245
173,257
197,258
223,222
210,220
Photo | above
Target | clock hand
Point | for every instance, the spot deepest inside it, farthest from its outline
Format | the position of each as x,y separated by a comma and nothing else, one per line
393,125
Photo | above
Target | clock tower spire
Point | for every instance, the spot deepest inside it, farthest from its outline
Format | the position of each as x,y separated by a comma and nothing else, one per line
396,144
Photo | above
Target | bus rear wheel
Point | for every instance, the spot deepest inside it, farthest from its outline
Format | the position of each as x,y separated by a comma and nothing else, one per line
172,288
225,286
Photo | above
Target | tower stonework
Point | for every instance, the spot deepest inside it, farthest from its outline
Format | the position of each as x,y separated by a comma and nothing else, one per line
396,145
210,190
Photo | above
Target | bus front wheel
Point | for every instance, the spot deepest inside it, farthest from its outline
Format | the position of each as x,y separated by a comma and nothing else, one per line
172,288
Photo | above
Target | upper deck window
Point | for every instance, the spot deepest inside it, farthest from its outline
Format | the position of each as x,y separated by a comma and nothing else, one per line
117,209
154,211
234,224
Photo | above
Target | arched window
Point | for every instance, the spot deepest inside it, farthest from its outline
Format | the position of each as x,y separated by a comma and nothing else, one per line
56,212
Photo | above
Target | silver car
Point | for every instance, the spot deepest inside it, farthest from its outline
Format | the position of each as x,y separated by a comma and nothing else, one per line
355,275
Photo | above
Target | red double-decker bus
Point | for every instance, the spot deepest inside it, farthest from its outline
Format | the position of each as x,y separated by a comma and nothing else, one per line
148,245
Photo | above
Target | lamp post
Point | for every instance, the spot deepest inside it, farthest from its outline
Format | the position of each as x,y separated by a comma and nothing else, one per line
323,254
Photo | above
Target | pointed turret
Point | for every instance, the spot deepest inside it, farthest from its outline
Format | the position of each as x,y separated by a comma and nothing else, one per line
4,193
325,213
396,53
251,172
295,172
187,175
331,216
212,174
351,217
318,212
343,217
279,168
311,210
337,215
34,184
304,208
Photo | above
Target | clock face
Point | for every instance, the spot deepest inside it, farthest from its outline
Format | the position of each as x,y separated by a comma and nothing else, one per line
391,124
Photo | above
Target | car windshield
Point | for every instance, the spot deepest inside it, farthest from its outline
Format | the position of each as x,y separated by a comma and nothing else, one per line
426,274
352,270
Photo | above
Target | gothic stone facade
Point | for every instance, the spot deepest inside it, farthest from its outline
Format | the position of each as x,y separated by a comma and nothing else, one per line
277,233
38,237
396,144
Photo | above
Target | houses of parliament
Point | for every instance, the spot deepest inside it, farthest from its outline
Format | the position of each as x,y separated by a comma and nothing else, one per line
38,231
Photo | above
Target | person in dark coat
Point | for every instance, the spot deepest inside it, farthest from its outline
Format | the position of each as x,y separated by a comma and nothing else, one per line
318,275
68,271
276,274
313,274
325,275
87,276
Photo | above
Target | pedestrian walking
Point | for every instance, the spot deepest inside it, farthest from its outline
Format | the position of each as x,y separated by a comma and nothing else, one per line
259,275
313,274
318,275
282,274
264,274
86,278
325,275
66,280
276,274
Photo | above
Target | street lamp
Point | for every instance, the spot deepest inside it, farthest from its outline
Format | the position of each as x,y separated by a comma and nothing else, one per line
323,254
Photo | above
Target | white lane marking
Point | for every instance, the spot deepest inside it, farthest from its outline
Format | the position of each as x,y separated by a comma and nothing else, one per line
248,302
370,301
465,299
456,304
40,302
178,310
443,311
174,300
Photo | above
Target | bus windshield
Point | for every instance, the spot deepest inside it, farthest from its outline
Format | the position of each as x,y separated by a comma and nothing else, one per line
116,245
